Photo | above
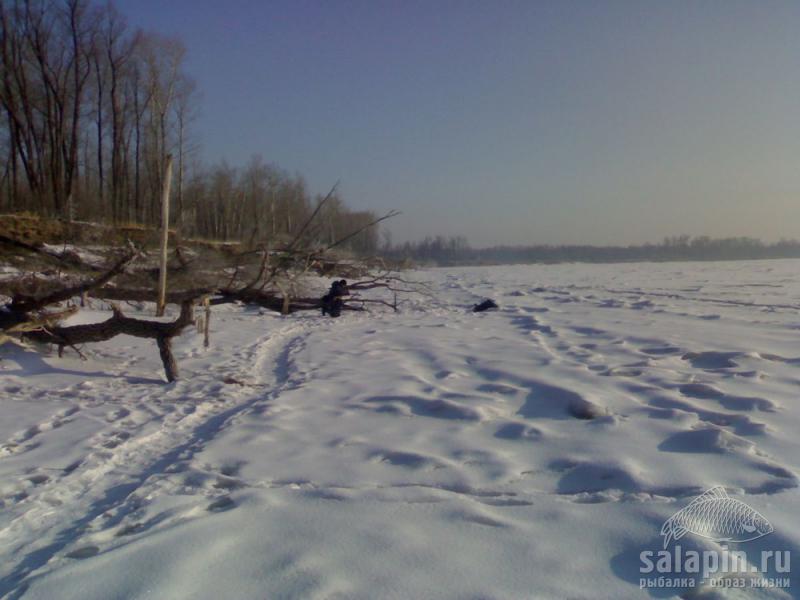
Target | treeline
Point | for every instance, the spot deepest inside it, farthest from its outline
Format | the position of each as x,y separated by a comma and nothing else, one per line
456,251
263,202
92,108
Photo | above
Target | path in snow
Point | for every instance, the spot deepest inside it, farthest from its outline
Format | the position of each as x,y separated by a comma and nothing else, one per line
146,433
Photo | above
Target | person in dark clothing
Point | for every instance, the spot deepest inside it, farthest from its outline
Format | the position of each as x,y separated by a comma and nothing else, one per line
332,302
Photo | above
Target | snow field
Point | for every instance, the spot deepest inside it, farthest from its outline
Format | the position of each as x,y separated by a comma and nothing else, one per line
530,452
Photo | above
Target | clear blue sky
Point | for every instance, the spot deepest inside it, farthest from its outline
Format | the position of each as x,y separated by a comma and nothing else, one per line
511,122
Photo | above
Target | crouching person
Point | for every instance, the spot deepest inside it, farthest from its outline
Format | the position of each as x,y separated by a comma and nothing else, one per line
332,302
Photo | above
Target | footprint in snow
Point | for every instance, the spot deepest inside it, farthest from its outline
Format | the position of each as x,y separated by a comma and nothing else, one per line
84,552
518,431
38,479
221,504
662,350
712,361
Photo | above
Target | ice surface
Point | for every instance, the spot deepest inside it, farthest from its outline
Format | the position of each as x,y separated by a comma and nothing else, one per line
531,452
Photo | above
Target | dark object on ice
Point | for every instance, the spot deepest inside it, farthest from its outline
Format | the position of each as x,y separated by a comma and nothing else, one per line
332,302
485,305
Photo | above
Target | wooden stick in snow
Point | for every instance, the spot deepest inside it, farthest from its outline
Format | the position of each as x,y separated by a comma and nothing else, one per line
162,274
207,304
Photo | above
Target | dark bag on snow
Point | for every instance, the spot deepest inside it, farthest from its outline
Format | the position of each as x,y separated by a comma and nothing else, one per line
488,304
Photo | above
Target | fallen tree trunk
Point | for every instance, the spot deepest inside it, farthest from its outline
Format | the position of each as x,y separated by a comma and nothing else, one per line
273,302
21,304
24,317
67,258
147,295
44,320
119,324
265,300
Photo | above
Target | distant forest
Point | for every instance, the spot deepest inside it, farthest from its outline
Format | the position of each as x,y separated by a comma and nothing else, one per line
456,251
92,108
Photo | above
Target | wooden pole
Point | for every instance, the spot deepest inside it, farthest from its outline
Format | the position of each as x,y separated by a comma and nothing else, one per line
286,299
162,273
207,303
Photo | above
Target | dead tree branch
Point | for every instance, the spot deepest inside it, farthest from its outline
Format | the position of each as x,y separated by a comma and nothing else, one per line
389,215
22,305
119,324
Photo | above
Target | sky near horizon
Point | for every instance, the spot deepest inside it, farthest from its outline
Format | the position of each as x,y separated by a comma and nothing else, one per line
604,122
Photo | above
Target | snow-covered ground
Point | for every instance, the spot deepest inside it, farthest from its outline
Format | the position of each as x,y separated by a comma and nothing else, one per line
531,452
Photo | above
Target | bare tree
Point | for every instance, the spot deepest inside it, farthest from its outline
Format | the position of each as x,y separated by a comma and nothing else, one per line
91,108
183,109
